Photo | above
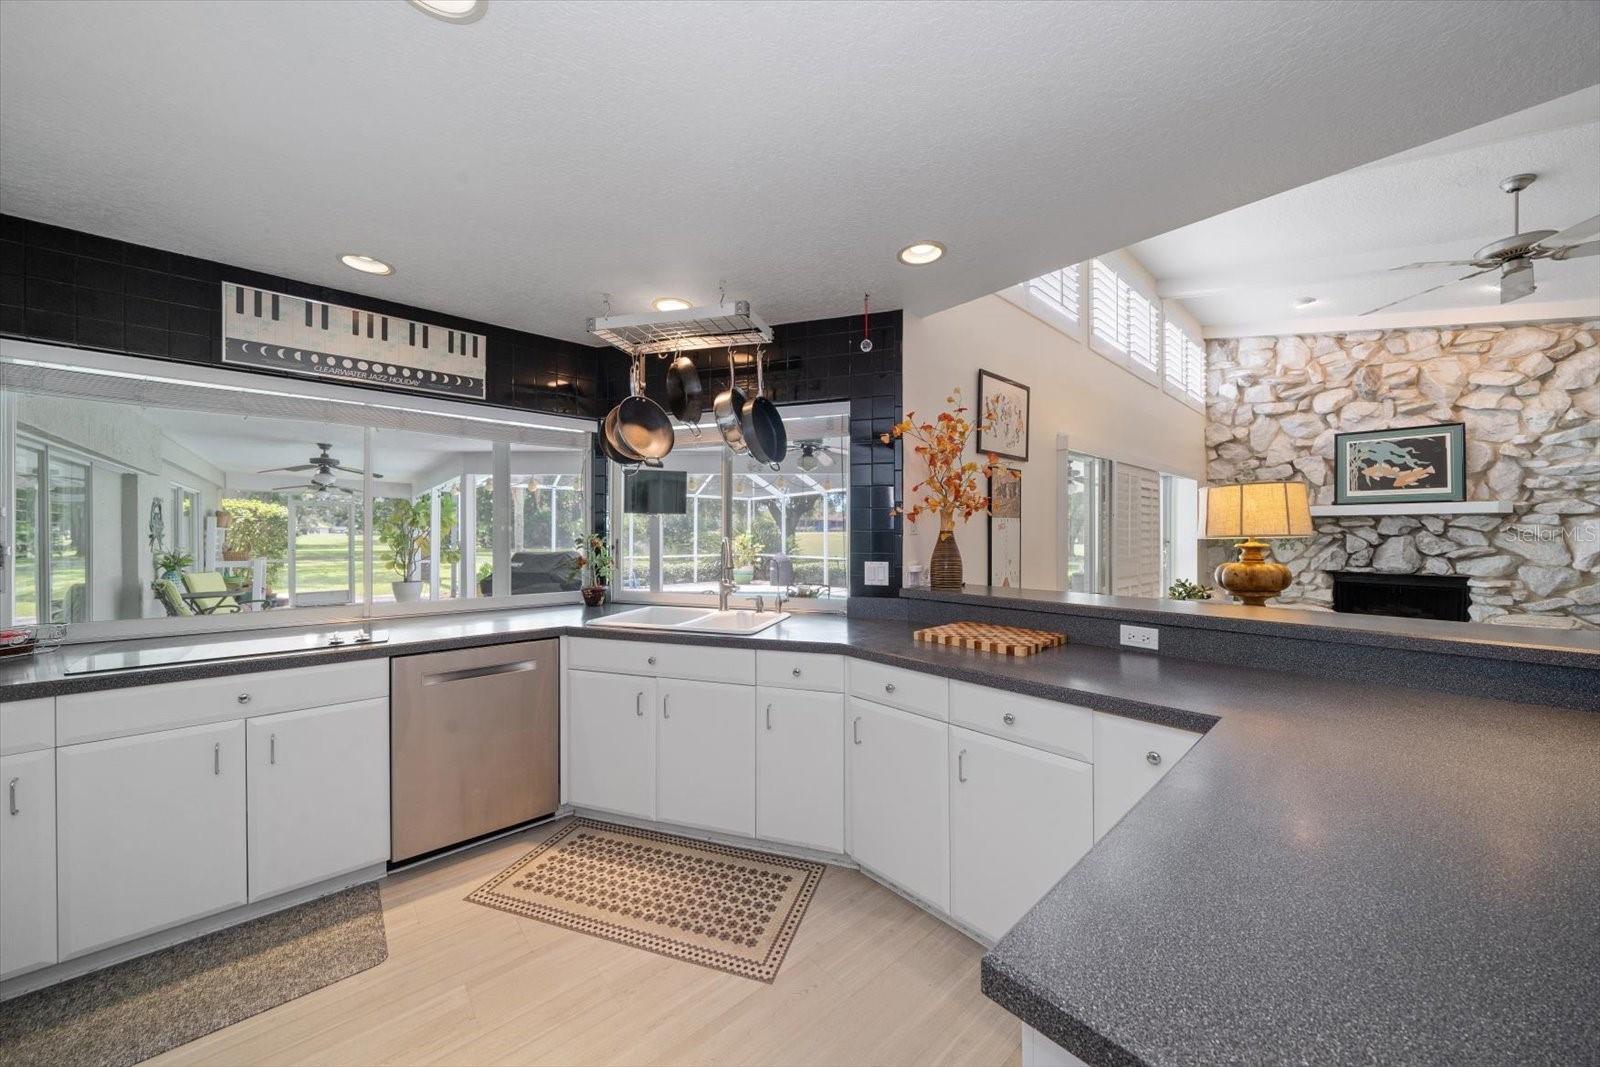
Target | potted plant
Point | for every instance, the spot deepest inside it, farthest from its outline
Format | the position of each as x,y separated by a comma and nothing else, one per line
170,563
952,485
403,529
594,556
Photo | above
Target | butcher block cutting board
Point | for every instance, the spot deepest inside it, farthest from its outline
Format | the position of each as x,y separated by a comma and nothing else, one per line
989,637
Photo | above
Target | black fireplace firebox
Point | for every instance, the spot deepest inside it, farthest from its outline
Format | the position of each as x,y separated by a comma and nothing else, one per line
1409,596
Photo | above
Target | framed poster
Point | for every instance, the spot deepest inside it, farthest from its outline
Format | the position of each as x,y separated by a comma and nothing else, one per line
1417,463
1003,406
1005,528
275,331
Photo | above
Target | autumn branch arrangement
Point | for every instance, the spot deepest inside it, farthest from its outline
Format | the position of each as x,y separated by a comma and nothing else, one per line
952,486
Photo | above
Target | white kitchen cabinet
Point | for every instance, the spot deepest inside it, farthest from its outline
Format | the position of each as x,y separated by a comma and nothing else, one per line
706,756
898,804
151,833
1019,819
611,742
27,861
318,794
800,768
1130,757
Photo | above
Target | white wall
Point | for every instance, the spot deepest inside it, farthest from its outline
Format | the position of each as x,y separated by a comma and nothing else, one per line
1101,407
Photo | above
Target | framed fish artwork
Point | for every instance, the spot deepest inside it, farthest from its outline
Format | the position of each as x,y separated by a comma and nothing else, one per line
1418,464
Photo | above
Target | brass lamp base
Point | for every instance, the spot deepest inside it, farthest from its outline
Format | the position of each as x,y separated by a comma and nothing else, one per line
1255,577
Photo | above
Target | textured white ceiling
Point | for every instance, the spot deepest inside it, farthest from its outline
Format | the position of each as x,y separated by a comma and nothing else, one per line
1337,239
515,168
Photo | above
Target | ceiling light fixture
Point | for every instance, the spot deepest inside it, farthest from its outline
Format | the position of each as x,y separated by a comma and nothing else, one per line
365,264
808,457
670,303
921,253
1305,301
452,10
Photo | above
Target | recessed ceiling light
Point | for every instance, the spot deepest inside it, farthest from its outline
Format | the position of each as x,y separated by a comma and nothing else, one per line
921,253
1305,301
670,303
452,10
365,264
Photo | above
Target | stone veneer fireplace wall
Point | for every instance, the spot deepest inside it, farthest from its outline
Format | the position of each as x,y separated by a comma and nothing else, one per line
1531,405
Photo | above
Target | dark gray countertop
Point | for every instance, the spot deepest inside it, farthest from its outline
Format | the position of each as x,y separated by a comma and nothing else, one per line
1337,873
1524,644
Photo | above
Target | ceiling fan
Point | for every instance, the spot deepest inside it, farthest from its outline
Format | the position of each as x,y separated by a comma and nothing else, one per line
322,482
1513,256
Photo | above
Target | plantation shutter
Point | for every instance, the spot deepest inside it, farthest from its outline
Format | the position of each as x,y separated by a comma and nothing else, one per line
1185,363
1125,323
1135,531
1058,289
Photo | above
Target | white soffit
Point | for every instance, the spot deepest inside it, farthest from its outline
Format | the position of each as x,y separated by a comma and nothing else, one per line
1337,239
515,168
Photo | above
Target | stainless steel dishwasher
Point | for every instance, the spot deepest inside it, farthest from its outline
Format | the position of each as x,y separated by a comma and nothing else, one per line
475,743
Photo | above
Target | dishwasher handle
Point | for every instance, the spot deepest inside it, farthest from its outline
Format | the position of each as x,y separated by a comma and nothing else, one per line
446,677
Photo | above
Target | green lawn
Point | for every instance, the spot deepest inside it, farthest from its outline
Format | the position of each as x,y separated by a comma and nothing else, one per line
809,543
321,562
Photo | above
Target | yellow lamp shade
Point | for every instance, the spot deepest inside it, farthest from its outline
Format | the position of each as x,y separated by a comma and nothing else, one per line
1257,509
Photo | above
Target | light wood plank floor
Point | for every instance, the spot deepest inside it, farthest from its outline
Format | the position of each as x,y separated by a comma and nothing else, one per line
869,979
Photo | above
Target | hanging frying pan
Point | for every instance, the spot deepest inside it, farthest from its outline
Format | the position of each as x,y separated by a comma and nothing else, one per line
686,397
729,410
612,445
763,428
642,426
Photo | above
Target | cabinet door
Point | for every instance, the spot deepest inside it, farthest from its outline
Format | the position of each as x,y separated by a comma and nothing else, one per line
27,861
318,792
1130,756
612,742
151,833
898,803
706,756
1019,819
800,768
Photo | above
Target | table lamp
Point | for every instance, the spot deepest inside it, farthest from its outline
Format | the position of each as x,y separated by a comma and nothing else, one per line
1250,511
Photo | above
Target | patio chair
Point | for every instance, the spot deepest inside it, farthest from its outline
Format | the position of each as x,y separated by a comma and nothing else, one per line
210,582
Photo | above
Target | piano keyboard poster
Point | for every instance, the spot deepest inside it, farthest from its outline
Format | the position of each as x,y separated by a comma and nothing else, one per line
285,333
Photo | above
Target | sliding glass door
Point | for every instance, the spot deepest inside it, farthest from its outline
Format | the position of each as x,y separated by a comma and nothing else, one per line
51,543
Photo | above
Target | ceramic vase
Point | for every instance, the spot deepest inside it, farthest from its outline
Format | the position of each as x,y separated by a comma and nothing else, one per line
944,568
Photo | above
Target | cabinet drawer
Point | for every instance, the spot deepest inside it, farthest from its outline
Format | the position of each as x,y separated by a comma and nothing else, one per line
142,709
800,670
1064,728
27,725
614,657
912,691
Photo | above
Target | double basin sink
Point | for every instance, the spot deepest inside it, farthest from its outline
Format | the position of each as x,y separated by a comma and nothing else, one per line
692,620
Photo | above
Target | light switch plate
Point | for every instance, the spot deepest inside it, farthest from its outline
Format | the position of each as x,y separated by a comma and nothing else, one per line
1145,637
877,572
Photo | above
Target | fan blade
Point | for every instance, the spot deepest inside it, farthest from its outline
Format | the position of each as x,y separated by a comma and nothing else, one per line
289,470
1430,289
1516,280
342,469
301,488
1436,263
1573,234
1591,248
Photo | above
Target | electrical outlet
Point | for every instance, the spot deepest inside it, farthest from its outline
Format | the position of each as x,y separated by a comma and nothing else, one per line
877,572
1145,637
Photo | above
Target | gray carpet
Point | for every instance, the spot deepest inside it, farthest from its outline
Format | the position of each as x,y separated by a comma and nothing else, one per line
138,1009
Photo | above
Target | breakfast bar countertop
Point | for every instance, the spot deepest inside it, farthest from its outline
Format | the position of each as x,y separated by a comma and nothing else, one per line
1338,872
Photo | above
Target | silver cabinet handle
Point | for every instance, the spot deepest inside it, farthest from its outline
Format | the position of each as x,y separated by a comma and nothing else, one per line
888,687
216,758
651,661
272,748
1009,719
796,672
665,714
961,769
445,677
855,730
769,716
244,698
11,790
638,704
1153,758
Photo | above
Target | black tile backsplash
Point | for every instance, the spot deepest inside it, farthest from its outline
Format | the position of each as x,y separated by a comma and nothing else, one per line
65,286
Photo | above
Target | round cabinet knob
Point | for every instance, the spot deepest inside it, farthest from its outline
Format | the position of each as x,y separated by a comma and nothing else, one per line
1153,758
888,687
244,698
651,661
797,672
1009,719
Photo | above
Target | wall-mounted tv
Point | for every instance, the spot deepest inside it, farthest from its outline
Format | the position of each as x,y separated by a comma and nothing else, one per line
648,492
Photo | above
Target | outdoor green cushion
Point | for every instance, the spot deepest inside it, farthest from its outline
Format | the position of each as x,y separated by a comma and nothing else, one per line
210,582
167,593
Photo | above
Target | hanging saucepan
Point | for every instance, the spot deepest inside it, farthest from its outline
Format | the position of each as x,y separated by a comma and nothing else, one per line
763,428
686,397
641,424
612,445
729,409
